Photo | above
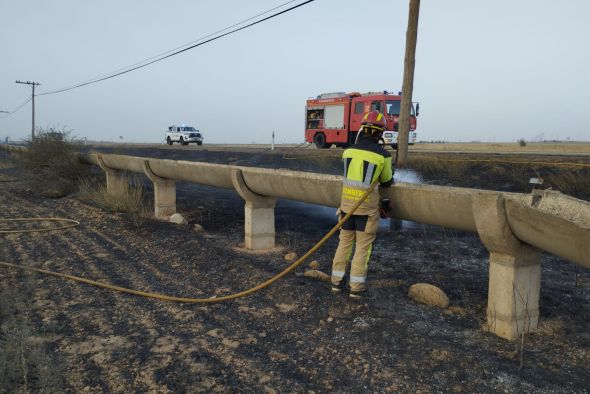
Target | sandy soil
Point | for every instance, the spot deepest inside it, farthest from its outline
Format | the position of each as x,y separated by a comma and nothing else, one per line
292,337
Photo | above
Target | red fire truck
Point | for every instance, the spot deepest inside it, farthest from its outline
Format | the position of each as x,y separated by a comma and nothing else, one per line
335,118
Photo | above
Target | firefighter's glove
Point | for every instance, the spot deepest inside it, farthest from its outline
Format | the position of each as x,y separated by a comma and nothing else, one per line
384,208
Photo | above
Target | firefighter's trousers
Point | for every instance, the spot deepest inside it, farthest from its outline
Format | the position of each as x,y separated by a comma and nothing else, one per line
358,232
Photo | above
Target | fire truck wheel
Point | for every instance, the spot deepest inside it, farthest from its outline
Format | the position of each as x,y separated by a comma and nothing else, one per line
320,141
169,141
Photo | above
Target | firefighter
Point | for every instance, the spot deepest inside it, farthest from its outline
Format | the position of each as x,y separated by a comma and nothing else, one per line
364,163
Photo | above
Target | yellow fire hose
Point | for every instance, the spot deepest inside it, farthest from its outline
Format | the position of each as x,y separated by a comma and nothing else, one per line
183,299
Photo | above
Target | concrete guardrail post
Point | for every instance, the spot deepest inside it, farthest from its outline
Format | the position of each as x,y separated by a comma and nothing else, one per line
259,212
116,179
164,193
515,271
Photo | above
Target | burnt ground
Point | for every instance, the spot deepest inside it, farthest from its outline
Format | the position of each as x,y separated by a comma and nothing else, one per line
294,336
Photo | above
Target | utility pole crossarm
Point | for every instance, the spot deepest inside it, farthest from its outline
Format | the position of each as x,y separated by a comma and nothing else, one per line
28,83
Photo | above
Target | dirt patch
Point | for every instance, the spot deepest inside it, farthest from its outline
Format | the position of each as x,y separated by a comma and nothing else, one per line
295,336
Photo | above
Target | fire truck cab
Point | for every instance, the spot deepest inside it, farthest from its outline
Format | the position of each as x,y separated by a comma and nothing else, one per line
335,118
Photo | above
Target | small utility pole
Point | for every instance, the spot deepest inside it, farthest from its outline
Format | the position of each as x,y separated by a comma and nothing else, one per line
408,84
33,84
272,147
5,112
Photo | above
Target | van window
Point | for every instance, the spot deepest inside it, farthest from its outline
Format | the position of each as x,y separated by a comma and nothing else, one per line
376,106
358,108
393,108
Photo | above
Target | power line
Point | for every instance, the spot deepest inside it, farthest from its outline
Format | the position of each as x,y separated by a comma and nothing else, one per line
176,52
184,45
17,108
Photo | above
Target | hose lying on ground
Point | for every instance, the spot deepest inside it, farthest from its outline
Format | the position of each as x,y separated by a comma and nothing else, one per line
73,223
201,300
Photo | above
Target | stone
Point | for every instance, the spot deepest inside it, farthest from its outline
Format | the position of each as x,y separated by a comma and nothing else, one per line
286,308
215,333
54,193
198,228
428,294
178,219
314,265
315,274
229,343
291,256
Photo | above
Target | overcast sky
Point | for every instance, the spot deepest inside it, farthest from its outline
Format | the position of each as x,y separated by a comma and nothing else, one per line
485,70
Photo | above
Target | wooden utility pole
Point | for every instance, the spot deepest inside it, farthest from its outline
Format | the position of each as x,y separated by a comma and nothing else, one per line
408,84
33,84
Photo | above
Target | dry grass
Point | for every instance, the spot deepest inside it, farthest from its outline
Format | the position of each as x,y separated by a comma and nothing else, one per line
512,147
515,173
130,200
25,364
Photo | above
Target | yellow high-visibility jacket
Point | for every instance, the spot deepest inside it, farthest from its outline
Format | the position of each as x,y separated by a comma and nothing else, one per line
364,163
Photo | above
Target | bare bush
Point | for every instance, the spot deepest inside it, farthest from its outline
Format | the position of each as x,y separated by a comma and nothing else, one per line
52,161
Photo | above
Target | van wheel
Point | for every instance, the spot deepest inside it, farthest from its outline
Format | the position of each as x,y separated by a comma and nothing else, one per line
320,141
182,141
199,143
169,140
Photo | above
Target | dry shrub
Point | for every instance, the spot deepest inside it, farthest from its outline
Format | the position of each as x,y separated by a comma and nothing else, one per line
497,171
130,199
573,183
52,161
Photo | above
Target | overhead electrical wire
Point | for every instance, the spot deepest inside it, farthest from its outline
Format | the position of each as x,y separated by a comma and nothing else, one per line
17,108
177,51
188,43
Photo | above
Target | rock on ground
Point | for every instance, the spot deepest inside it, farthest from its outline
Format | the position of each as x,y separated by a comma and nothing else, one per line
428,294
178,219
291,256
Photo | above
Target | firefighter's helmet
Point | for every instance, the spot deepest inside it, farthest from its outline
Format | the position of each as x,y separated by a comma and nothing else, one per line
373,122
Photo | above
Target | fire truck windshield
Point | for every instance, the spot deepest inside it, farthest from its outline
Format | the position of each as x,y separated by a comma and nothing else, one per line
393,107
